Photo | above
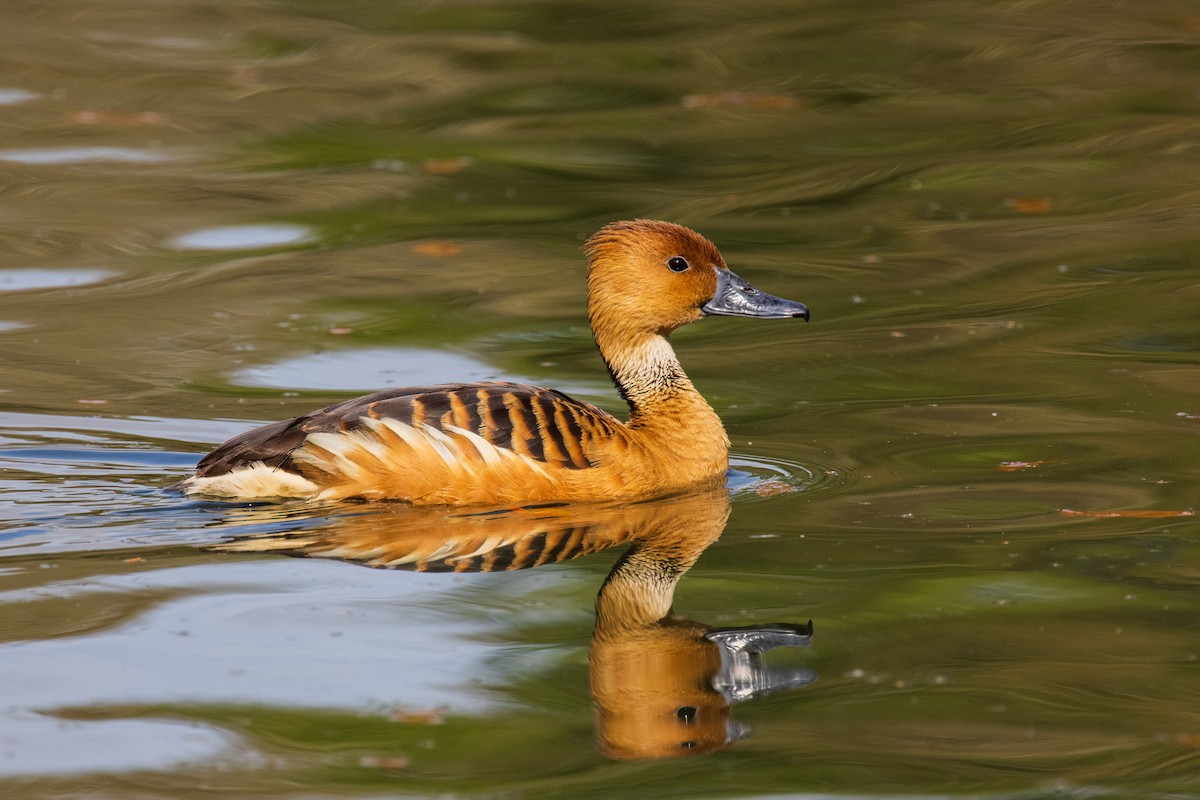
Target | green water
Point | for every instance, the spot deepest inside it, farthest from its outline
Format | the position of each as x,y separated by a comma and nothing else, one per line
974,470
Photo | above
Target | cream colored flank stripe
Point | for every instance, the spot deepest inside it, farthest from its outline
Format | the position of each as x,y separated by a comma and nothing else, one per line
418,411
459,414
546,432
522,436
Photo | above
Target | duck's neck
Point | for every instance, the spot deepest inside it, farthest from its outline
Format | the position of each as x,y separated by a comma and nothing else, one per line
651,380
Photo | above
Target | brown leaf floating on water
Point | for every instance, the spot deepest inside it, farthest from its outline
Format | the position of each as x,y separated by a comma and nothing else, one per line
118,118
1017,466
419,716
445,166
1134,513
750,100
1028,205
436,247
772,488
384,762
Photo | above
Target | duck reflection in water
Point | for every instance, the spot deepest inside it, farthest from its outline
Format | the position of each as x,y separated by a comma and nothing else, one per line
662,685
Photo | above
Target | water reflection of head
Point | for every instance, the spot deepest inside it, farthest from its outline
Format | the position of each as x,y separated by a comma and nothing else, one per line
651,672
662,685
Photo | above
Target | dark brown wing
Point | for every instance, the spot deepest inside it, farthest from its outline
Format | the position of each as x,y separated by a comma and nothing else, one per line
543,424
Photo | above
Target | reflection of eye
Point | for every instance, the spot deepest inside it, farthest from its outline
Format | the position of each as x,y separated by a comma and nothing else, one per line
687,745
686,714
677,264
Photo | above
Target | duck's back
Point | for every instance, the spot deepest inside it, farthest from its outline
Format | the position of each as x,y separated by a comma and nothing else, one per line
469,427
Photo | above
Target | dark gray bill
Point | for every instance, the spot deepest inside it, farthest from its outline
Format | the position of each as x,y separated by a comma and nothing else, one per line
737,298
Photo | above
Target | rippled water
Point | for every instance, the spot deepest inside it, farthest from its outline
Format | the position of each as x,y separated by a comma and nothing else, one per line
975,470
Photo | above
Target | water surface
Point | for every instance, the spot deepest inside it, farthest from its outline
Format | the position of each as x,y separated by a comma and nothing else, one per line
975,470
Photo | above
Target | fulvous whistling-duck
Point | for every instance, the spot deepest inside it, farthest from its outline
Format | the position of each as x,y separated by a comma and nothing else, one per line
505,443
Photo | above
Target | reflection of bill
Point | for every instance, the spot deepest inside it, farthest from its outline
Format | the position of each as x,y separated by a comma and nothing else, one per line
662,685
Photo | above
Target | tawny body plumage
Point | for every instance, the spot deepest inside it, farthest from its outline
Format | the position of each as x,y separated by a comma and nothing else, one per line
504,443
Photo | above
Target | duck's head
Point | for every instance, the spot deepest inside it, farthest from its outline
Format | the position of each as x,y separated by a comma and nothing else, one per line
645,275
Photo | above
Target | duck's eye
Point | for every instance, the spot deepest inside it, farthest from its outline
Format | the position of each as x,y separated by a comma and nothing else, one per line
677,264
